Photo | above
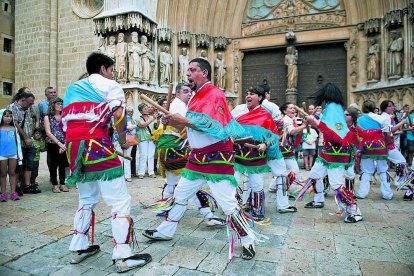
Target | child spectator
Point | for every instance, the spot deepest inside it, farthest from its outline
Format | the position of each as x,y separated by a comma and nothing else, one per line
10,152
39,144
310,136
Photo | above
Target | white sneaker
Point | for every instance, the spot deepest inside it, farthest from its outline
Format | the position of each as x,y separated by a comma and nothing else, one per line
212,222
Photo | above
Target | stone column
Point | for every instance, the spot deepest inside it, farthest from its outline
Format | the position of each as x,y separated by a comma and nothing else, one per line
212,56
407,35
384,50
193,47
174,54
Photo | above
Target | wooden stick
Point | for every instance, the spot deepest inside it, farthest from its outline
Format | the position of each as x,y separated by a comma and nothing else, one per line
169,97
154,104
124,155
244,139
251,146
301,110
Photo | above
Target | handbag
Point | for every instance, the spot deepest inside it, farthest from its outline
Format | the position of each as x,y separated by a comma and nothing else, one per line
132,140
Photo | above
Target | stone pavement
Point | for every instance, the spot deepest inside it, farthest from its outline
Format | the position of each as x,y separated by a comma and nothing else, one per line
35,235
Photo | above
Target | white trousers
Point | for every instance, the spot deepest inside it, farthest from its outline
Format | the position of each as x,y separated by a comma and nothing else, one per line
336,177
223,191
115,194
319,195
280,172
396,157
125,162
146,156
368,168
292,166
172,181
255,181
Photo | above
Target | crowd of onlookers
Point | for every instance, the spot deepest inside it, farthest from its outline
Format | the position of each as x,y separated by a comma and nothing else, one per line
27,129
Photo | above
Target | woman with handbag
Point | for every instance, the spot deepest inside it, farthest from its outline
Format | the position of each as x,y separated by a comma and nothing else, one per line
132,139
146,125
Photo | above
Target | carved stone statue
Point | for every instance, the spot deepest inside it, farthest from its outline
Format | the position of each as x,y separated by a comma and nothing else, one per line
152,60
145,61
203,54
121,59
373,62
135,52
291,60
183,65
220,71
102,45
165,66
111,48
395,49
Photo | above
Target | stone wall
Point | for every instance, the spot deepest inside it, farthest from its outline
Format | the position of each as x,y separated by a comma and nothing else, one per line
32,45
76,40
50,52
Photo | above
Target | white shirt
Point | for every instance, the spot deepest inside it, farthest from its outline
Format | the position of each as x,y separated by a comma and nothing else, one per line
384,120
177,106
288,125
239,110
273,109
311,136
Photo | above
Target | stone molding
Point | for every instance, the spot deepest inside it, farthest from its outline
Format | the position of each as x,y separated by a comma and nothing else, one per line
184,37
295,23
397,93
86,9
393,18
164,34
125,22
220,42
372,26
203,40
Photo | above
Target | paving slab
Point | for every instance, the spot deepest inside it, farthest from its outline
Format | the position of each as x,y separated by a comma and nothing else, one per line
374,268
185,257
365,247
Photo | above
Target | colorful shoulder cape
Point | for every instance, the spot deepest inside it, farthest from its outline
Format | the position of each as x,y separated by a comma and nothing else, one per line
208,111
259,124
372,140
337,137
333,125
85,112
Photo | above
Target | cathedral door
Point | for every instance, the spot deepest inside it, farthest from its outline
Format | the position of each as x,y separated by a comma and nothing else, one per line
317,65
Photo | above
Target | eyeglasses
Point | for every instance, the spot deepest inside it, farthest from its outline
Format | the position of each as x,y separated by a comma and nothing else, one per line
58,103
348,115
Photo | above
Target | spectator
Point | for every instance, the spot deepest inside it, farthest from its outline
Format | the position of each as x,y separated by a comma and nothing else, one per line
133,126
22,117
56,147
9,153
310,136
39,144
130,132
146,146
43,105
